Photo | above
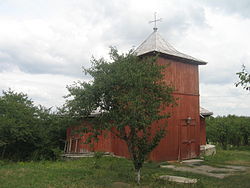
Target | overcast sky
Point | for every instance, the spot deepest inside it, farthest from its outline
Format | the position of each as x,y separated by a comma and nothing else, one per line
45,43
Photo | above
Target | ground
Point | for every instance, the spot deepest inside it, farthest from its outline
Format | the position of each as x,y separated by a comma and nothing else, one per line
118,172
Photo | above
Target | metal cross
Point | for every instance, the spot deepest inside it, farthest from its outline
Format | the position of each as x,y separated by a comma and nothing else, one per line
155,20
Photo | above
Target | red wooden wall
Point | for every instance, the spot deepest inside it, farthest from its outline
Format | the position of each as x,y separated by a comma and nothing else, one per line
203,131
183,137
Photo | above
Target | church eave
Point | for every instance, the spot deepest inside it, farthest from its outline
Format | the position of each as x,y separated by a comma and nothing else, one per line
173,57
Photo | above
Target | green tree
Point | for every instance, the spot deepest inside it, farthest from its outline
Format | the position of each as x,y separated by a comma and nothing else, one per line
51,127
229,130
130,94
218,131
244,78
17,116
28,131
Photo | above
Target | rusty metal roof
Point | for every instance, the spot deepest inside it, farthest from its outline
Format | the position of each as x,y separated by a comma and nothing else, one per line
205,112
156,43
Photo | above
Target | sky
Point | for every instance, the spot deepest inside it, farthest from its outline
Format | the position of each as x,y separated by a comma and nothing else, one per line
45,43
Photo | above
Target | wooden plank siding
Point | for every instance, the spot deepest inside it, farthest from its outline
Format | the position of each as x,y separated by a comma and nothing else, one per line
203,131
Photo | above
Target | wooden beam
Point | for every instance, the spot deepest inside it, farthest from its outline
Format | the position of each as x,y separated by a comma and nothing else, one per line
70,142
76,145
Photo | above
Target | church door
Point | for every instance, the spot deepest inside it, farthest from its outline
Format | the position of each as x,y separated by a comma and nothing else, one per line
187,138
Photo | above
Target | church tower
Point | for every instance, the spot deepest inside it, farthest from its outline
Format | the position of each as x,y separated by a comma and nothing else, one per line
182,73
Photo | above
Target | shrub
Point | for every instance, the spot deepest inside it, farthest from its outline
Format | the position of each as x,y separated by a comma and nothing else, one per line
29,132
228,130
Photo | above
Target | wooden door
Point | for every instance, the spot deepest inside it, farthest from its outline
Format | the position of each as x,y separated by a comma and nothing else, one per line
187,139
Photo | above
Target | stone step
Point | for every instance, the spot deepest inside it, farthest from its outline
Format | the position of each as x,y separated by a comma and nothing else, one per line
84,154
178,179
192,161
208,149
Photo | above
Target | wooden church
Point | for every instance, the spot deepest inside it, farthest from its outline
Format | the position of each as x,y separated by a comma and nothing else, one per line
186,130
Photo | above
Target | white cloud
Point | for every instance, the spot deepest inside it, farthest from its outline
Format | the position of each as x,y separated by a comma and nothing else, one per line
45,89
44,44
225,46
240,7
36,46
223,99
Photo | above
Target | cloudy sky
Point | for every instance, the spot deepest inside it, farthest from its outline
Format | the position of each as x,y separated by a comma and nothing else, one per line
44,43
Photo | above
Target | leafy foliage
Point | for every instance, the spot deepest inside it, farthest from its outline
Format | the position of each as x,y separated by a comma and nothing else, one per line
229,130
244,78
129,93
28,131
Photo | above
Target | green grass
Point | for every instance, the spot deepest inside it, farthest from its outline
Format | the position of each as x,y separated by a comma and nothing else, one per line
230,157
90,172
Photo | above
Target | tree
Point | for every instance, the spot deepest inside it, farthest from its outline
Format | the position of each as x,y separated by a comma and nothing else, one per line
17,116
244,78
130,94
28,131
229,130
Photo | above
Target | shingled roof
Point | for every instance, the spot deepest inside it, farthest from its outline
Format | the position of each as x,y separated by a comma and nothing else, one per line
156,43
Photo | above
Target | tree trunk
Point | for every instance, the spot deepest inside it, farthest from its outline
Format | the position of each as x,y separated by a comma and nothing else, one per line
3,152
245,140
138,178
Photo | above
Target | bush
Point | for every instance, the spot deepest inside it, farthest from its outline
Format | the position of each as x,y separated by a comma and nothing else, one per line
228,130
29,132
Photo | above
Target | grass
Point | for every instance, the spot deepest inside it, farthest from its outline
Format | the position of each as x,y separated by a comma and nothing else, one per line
229,157
103,172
